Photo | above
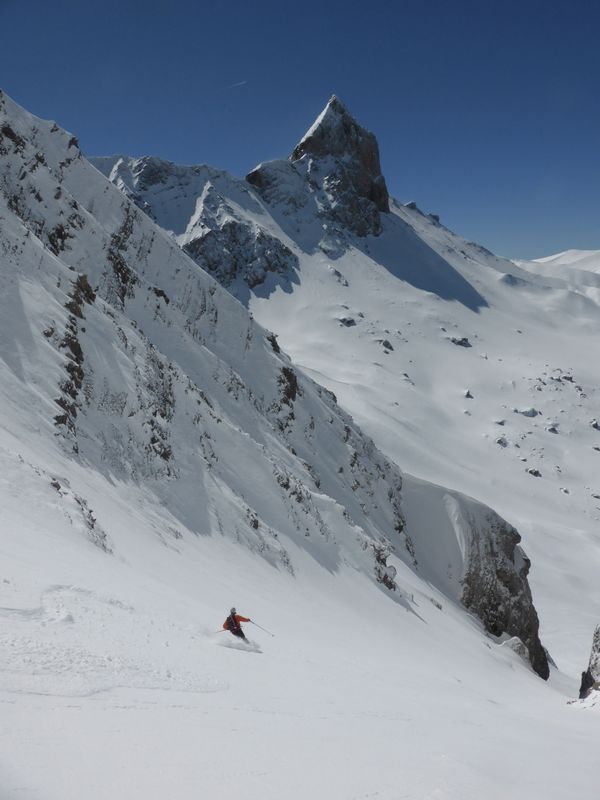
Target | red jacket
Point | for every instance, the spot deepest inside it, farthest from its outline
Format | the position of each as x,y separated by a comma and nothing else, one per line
238,618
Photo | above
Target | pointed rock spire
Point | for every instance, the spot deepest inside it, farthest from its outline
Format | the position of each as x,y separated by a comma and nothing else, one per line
336,133
335,171
332,132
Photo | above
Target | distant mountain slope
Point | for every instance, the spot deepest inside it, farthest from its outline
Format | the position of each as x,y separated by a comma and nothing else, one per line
580,259
578,270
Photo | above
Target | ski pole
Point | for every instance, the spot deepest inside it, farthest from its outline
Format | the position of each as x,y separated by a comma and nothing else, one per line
223,630
262,629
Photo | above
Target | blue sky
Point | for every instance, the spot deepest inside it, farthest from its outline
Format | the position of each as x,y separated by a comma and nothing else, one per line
487,113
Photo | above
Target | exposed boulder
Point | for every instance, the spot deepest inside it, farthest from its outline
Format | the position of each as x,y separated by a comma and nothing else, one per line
534,472
527,412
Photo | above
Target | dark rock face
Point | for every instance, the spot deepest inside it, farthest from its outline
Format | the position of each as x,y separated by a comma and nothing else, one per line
336,133
590,679
385,573
152,171
195,204
587,684
496,587
337,160
238,250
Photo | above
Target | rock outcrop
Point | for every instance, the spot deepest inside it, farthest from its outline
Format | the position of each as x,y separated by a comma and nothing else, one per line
197,204
496,588
590,679
477,562
232,248
236,250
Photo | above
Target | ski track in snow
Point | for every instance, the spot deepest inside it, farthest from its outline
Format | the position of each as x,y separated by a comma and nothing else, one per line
249,647
48,651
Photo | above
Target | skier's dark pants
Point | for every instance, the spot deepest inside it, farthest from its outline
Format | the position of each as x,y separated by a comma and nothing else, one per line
238,632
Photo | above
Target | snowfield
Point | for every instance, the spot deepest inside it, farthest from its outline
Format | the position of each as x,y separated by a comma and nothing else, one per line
164,457
115,684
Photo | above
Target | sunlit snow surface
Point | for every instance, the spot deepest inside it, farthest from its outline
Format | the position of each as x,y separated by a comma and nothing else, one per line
115,683
535,345
115,680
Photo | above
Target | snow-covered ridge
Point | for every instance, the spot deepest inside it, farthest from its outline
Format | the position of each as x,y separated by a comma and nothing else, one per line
581,259
160,375
579,270
201,206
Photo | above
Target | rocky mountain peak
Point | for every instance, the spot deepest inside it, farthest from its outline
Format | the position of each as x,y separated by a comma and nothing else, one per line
335,171
336,133
330,133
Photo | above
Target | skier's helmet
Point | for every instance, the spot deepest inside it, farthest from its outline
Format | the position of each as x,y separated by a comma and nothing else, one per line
232,611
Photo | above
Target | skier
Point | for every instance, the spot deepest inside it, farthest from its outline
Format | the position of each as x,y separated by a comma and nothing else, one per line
232,624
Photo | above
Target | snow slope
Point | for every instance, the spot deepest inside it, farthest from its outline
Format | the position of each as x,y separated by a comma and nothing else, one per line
578,270
467,369
588,260
381,326
114,685
161,459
